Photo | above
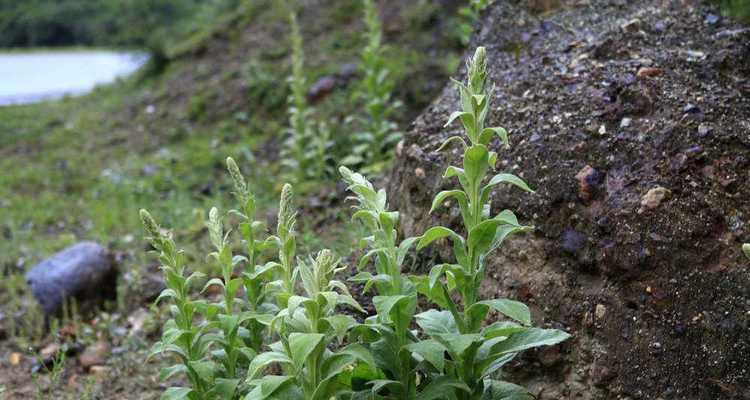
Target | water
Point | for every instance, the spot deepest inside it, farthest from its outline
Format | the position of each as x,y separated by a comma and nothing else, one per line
46,75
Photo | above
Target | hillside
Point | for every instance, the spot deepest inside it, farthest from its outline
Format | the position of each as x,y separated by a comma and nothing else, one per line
79,169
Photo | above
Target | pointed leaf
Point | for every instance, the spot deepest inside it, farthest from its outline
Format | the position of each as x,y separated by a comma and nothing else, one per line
439,387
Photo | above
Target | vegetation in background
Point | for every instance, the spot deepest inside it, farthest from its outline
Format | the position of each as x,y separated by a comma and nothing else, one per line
158,139
306,147
739,9
375,133
139,23
469,16
313,351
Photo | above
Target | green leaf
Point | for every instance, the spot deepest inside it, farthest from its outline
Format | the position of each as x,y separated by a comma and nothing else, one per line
301,345
530,338
435,233
396,309
267,386
500,390
431,351
457,344
176,393
223,389
511,309
359,353
340,324
166,293
435,294
370,280
488,133
380,384
458,114
459,195
507,217
439,387
213,281
476,164
482,235
452,171
403,249
508,178
449,141
434,322
502,329
171,371
263,360
204,369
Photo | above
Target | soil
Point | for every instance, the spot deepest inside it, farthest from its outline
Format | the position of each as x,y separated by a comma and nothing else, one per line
632,121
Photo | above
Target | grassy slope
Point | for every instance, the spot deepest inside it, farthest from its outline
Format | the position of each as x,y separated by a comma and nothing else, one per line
79,169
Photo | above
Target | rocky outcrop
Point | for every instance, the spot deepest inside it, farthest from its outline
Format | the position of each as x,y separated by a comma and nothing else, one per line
84,272
632,121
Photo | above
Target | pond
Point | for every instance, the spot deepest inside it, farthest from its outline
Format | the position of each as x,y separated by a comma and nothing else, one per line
28,77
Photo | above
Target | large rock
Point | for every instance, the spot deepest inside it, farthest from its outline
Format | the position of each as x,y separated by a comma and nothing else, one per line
83,271
646,271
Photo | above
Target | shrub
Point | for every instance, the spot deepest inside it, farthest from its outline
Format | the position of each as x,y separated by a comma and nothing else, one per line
287,336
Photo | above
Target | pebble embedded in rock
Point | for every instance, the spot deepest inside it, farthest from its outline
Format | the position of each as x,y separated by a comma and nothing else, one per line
83,271
589,182
650,72
15,358
654,197
600,311
712,19
572,241
100,371
704,129
634,25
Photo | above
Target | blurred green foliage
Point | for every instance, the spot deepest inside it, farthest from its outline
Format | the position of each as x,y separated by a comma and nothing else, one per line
102,22
739,9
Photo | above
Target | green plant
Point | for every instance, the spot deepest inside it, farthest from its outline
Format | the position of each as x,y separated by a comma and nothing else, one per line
739,9
376,133
258,303
287,338
307,328
306,144
746,250
476,351
468,17
388,334
286,239
187,341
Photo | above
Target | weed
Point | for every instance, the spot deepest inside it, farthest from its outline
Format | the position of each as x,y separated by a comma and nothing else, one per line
307,142
376,133
469,15
287,339
476,351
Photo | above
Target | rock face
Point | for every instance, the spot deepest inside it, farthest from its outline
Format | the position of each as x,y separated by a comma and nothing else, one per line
657,296
83,271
